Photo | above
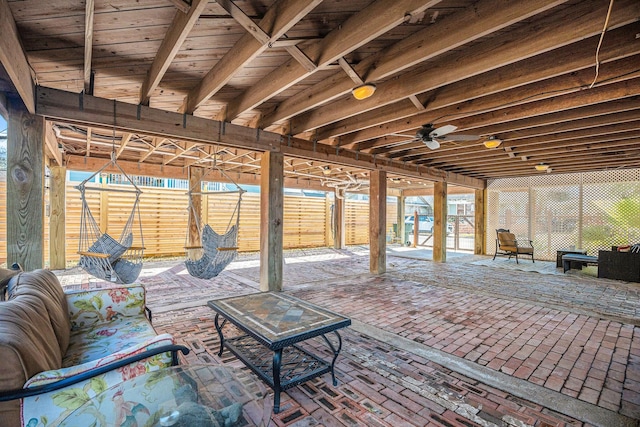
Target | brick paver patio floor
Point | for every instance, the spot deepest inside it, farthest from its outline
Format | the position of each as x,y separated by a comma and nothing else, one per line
509,347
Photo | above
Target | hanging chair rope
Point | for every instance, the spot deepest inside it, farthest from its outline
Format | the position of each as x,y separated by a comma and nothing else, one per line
215,251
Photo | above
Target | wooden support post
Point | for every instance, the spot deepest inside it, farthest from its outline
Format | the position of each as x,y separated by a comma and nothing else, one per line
195,212
480,237
25,187
416,229
378,222
400,221
338,222
328,221
440,222
104,208
271,218
57,217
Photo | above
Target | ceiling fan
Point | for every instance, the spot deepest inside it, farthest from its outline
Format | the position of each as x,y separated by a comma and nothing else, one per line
432,137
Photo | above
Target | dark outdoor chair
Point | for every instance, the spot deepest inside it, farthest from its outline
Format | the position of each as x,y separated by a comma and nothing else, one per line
508,245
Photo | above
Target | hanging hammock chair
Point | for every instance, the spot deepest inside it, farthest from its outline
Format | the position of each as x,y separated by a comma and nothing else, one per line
208,257
101,255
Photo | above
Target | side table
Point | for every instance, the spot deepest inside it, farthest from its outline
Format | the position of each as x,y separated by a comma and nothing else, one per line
561,252
211,395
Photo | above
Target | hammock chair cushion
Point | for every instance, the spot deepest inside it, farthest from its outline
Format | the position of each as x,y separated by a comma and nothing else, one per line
206,266
108,245
127,271
211,240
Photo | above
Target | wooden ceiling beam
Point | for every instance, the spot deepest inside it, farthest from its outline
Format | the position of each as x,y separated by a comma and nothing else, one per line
175,36
479,123
485,17
88,142
522,43
280,17
536,78
183,5
126,137
364,26
553,118
549,150
13,58
62,105
156,143
600,153
52,144
88,44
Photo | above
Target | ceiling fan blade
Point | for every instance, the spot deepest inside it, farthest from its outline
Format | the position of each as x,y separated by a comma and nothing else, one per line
432,144
443,130
459,138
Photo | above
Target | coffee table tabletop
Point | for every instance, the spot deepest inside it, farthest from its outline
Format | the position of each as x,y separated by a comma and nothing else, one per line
277,320
209,395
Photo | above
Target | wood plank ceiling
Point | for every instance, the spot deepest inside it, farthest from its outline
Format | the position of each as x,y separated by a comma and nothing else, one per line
558,82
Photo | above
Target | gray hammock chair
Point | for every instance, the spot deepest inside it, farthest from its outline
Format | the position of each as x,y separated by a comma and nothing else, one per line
101,255
208,257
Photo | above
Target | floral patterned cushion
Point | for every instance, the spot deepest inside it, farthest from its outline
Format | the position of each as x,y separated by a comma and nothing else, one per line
93,308
50,409
102,340
106,325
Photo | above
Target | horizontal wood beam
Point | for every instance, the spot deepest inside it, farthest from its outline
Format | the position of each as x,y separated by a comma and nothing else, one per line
13,58
487,16
522,43
526,81
280,17
376,19
91,164
90,110
180,27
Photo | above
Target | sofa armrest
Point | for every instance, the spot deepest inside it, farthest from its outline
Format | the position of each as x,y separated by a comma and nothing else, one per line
65,382
89,308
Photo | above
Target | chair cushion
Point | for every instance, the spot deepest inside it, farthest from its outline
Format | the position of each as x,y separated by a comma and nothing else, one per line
525,250
507,240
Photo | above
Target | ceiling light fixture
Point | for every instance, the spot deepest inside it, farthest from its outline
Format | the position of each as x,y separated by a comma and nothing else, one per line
326,170
492,142
541,167
363,91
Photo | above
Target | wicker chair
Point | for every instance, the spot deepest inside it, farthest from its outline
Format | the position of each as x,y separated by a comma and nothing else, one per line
508,245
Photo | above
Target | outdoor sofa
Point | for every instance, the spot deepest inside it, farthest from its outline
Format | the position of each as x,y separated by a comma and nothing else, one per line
58,350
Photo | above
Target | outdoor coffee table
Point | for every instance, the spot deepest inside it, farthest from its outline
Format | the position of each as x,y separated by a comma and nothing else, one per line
273,324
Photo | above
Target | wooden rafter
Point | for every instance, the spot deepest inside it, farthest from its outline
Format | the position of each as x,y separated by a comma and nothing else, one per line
486,17
52,144
489,90
88,44
361,28
180,27
155,144
13,58
183,6
126,137
523,43
88,144
283,15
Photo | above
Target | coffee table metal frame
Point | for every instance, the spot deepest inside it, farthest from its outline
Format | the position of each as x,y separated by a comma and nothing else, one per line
290,364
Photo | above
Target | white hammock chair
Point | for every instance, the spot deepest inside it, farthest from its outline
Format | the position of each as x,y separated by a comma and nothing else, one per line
214,251
101,255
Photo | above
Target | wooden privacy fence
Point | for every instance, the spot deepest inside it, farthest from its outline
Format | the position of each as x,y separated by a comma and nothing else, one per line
164,214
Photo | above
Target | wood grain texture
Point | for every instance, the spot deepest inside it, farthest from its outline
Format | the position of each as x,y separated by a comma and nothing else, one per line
271,222
378,222
25,187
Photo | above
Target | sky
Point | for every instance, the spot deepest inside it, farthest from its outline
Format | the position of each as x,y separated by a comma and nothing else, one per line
3,124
